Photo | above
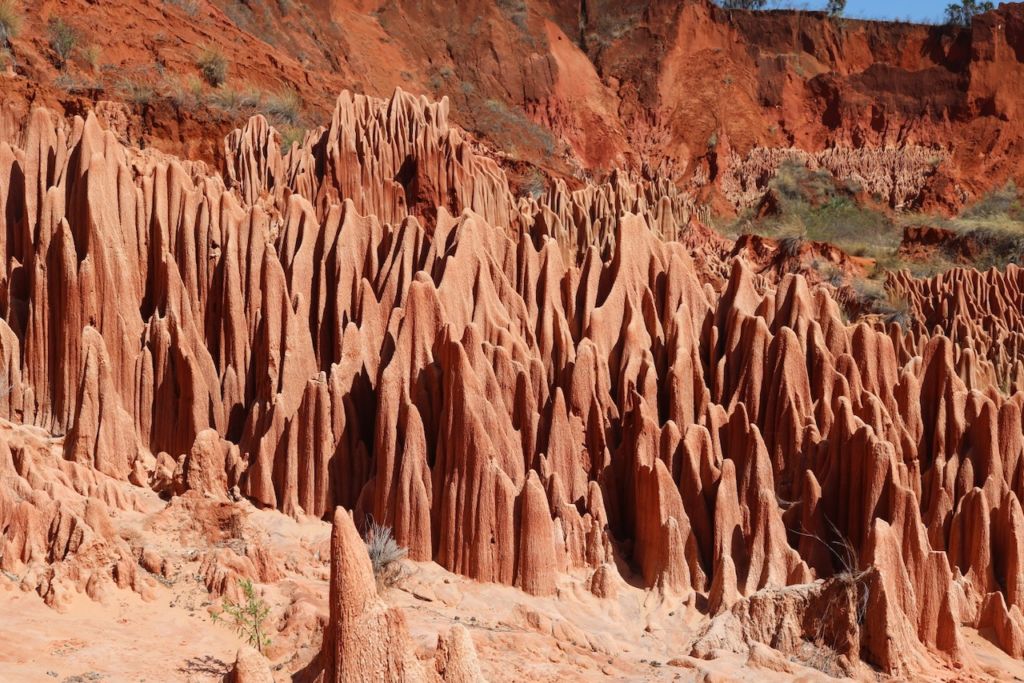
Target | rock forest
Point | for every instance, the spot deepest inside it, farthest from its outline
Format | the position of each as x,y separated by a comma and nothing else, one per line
510,340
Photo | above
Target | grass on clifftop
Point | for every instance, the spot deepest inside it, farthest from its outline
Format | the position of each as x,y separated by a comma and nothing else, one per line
995,223
813,205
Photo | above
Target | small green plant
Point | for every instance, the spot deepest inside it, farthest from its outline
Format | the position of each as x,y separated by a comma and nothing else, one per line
385,554
234,101
790,246
138,94
63,38
284,107
227,99
213,66
10,21
534,184
830,273
291,135
889,307
187,95
248,618
91,55
835,8
516,11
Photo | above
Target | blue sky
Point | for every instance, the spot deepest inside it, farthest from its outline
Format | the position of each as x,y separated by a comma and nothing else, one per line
915,10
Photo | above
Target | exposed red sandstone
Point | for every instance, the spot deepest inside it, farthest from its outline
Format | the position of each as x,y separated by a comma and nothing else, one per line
521,388
250,667
366,641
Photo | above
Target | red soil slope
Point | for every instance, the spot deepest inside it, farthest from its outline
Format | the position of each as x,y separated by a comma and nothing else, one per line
919,115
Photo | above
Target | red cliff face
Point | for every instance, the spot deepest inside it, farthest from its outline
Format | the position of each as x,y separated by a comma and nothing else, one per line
919,116
521,388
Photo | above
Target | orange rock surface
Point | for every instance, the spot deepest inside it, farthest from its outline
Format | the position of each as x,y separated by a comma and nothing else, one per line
574,396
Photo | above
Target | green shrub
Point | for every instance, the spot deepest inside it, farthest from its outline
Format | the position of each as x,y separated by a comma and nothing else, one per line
91,54
213,66
1004,201
963,13
790,246
187,95
248,618
516,11
999,247
291,135
895,310
138,94
63,38
284,107
10,21
236,102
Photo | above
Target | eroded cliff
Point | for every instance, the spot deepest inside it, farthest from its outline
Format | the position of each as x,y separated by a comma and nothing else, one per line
583,383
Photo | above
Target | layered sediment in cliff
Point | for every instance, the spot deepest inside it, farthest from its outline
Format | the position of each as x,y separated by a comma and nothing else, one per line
520,387
919,116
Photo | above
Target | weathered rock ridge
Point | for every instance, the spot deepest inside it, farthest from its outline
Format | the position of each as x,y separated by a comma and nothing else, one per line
522,388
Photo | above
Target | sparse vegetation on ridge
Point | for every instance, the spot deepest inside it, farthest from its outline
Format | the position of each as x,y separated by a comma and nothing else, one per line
213,66
963,13
63,38
10,21
744,4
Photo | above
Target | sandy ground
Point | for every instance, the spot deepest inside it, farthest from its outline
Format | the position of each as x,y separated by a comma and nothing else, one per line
126,640
518,637
635,635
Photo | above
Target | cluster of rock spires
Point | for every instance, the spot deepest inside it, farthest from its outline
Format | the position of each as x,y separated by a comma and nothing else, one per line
896,175
979,312
521,387
364,640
